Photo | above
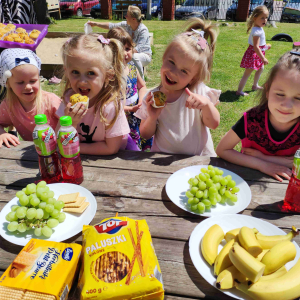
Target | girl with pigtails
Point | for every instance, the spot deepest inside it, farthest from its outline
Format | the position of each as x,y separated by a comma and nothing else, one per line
94,68
182,125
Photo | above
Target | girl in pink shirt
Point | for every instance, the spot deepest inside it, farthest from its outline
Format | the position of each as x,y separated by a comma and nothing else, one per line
270,132
94,68
19,72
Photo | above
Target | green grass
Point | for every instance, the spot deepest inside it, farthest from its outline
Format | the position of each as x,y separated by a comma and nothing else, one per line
226,74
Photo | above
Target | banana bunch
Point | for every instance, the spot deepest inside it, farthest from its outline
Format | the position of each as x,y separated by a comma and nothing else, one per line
253,263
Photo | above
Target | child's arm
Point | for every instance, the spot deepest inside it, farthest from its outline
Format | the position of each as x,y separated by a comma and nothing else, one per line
258,50
286,161
148,126
225,150
210,115
104,25
141,85
108,147
7,138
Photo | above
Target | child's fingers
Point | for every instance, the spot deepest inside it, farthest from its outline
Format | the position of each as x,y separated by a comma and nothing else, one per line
14,140
149,97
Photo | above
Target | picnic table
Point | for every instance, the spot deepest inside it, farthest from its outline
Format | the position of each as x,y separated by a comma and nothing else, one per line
133,184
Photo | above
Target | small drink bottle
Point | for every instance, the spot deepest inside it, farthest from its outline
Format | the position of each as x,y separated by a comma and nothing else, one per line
292,195
68,145
45,144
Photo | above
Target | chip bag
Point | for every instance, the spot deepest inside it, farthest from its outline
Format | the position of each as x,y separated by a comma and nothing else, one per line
119,262
42,270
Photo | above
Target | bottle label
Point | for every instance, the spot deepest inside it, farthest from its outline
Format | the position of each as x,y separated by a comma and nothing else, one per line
296,165
68,143
45,141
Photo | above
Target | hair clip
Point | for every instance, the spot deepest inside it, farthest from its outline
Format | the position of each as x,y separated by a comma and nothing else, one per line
295,53
201,41
103,40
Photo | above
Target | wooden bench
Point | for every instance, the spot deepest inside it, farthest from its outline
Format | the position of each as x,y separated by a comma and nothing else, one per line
122,6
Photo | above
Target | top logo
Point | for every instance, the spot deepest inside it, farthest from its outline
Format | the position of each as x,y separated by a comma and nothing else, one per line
110,226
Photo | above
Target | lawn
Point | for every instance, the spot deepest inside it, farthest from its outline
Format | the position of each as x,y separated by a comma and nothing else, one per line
226,74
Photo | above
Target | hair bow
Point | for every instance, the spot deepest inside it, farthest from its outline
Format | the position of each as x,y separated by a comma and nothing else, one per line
103,40
202,42
18,60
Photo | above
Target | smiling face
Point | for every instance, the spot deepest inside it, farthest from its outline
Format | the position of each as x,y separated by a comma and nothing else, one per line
25,84
261,20
284,100
178,70
127,53
86,77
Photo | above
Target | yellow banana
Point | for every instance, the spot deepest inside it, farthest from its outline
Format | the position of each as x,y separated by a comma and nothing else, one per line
261,255
276,274
233,234
285,287
249,242
223,261
228,277
210,243
278,256
268,242
246,263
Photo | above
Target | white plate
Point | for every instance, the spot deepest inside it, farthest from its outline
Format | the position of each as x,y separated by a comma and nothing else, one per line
70,227
228,222
177,185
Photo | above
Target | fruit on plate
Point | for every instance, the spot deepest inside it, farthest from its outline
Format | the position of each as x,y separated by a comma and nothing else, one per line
210,243
209,188
278,256
249,242
228,277
246,263
268,242
223,261
276,274
285,287
262,254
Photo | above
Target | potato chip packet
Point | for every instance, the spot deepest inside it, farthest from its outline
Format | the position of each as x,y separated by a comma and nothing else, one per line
44,267
119,262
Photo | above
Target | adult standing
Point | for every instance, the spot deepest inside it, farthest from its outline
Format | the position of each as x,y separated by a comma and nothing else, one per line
133,25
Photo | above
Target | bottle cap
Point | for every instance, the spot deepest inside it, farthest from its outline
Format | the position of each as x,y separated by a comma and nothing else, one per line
40,119
65,121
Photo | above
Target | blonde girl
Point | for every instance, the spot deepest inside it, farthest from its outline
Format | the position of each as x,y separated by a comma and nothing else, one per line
270,132
182,125
94,68
19,73
254,57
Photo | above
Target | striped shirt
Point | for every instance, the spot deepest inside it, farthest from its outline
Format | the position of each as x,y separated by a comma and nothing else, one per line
140,36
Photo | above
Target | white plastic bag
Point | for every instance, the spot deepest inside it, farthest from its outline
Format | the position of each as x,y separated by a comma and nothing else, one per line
88,28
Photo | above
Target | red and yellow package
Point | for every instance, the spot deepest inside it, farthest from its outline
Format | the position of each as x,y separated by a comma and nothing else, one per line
42,270
119,262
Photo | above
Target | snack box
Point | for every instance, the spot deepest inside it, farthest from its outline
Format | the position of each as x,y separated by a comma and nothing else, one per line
42,270
29,27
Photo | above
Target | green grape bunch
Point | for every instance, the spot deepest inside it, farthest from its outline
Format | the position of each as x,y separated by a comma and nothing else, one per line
38,211
209,188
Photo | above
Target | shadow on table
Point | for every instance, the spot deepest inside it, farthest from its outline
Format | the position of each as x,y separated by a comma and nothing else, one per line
29,158
22,183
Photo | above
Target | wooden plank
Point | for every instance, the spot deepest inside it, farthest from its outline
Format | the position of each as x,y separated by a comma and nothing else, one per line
143,161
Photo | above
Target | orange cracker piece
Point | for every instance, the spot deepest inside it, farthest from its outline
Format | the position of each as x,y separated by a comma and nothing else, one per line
29,295
78,203
78,210
25,260
7,293
68,198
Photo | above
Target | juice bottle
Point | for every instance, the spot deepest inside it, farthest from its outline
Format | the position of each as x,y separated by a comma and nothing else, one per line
68,145
292,196
45,144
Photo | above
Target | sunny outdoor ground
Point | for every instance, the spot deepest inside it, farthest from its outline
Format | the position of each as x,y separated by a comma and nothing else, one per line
226,74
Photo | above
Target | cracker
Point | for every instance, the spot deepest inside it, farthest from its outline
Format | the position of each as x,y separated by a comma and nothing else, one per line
24,261
78,210
78,203
68,198
7,293
29,295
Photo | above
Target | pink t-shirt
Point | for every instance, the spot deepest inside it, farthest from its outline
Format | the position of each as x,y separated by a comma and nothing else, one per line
92,129
24,121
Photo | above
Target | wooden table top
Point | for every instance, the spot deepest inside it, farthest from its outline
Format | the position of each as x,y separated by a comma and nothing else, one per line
133,184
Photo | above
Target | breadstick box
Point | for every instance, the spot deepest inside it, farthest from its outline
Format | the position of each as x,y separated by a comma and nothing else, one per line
119,262
43,270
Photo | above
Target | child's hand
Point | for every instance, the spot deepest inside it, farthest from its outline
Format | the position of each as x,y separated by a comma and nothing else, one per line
7,138
265,61
76,113
275,170
152,111
253,152
92,23
133,108
195,101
